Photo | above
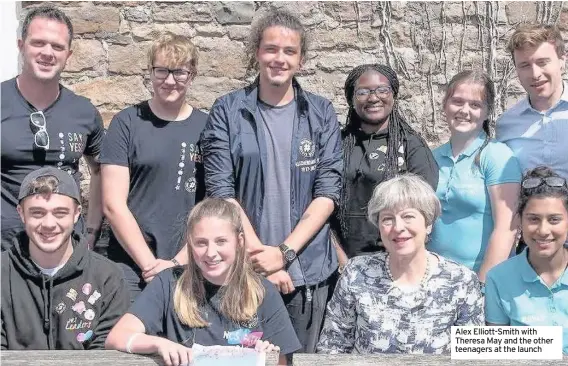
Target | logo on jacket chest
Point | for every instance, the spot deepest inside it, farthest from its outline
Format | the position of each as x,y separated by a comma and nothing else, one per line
307,151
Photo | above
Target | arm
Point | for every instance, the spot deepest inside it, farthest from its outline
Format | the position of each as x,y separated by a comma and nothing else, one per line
115,186
135,331
338,333
91,155
216,150
218,165
341,255
252,241
116,302
470,306
310,224
503,199
95,211
421,161
502,175
129,336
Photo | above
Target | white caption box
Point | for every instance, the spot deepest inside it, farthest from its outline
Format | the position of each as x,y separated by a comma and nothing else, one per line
506,343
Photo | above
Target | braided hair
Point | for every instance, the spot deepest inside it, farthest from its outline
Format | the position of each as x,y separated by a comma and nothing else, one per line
398,129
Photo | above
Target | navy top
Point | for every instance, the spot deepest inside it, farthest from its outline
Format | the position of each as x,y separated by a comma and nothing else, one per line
155,308
166,177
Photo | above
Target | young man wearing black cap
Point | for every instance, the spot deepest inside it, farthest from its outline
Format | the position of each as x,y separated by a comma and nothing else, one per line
56,294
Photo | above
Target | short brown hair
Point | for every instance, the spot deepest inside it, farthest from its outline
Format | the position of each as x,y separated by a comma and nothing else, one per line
534,35
46,184
178,50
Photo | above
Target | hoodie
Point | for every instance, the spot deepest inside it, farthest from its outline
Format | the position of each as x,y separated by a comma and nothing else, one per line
73,310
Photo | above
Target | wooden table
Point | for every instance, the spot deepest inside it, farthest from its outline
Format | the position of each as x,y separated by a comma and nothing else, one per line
115,358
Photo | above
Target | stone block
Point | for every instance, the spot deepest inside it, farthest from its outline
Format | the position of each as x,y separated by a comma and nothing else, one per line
87,54
343,61
220,57
114,93
210,30
91,18
139,14
205,90
148,32
343,38
187,12
237,12
521,11
238,32
563,20
344,11
128,60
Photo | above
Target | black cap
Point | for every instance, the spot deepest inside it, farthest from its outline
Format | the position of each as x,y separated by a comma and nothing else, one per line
66,185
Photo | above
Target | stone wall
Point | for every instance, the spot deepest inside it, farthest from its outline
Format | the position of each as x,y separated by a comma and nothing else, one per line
425,42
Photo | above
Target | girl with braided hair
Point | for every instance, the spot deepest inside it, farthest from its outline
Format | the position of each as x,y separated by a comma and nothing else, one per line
479,180
378,144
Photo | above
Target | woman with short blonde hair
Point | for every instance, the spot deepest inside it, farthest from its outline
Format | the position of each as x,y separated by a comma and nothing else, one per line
217,299
404,300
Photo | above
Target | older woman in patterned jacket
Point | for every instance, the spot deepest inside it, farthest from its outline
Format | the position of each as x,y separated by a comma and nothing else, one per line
406,299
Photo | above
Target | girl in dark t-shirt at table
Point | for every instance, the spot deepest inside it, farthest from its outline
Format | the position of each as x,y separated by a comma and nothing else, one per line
217,299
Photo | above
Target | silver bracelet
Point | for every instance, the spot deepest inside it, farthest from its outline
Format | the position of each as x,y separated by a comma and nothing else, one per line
130,340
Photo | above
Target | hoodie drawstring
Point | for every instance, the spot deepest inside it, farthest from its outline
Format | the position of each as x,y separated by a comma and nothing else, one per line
47,296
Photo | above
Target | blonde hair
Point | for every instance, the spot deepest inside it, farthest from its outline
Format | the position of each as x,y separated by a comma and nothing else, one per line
243,291
177,50
404,191
534,35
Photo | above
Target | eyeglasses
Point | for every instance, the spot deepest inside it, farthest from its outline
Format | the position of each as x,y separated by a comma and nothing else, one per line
180,75
364,94
549,181
38,124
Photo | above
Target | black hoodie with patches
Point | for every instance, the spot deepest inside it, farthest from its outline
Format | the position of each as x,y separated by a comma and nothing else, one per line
73,310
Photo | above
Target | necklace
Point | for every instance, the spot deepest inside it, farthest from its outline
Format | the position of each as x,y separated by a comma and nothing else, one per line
424,278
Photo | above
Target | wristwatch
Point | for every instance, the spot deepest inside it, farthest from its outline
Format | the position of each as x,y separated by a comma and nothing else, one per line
175,262
289,254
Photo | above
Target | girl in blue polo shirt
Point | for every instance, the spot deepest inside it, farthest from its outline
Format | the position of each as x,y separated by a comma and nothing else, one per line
531,289
478,180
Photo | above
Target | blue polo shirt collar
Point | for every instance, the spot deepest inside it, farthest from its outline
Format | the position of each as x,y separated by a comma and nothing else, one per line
526,105
529,274
470,150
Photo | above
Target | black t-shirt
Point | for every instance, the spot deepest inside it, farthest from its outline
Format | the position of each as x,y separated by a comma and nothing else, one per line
166,175
366,169
74,127
155,308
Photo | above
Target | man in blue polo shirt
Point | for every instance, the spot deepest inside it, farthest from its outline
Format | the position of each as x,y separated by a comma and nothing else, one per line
536,128
44,123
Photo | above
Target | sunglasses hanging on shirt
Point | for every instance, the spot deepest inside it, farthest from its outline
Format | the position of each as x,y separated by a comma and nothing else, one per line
38,124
